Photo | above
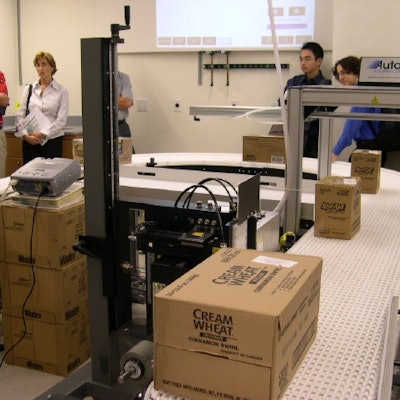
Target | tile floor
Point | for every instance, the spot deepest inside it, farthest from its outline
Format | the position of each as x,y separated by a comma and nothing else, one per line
17,383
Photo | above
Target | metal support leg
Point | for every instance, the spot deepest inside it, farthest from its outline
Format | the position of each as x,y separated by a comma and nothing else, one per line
109,305
325,147
294,167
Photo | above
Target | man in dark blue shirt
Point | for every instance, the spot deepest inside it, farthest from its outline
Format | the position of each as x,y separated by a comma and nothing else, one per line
311,57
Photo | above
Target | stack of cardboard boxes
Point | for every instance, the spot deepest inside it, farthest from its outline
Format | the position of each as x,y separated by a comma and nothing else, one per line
338,199
44,287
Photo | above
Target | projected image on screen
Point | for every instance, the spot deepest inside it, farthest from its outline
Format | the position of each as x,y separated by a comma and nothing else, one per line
233,24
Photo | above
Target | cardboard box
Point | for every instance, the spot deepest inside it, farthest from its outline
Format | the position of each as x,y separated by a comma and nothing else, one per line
55,348
12,165
67,143
270,149
248,312
2,250
57,295
367,165
337,207
77,150
14,145
55,232
124,150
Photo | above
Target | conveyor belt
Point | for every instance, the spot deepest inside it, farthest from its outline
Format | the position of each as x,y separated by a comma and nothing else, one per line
359,279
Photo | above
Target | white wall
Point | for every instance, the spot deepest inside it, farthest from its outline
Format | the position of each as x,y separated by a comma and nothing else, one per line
8,33
161,78
360,27
157,77
366,28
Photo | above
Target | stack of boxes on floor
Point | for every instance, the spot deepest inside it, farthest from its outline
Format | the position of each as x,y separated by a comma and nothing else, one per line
44,287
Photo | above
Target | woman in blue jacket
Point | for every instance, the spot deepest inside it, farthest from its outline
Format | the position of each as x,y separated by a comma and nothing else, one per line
362,132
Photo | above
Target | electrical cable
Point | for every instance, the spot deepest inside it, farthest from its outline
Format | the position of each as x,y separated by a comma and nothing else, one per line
143,225
44,190
289,179
222,182
193,188
216,207
181,195
189,197
283,111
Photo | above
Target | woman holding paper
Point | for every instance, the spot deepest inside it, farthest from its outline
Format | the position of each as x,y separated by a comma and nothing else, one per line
43,112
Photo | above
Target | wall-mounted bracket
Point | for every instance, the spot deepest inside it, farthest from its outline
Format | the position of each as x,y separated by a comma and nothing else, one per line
227,66
244,66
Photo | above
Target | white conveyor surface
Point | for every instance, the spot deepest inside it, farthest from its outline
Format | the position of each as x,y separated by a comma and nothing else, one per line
359,279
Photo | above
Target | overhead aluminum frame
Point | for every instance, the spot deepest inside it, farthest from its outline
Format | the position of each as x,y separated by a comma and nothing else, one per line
273,113
325,96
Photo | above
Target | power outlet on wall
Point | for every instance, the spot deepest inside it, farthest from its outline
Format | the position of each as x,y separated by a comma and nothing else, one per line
142,105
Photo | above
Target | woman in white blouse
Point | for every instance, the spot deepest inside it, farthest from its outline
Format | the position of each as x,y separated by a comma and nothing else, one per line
48,102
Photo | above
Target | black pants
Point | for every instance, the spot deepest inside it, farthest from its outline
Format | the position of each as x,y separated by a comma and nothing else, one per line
52,149
124,131
371,145
311,137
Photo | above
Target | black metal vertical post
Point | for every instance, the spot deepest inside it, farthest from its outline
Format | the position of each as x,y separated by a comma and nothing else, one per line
109,287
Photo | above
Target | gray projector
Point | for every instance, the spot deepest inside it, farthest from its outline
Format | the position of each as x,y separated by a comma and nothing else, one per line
46,176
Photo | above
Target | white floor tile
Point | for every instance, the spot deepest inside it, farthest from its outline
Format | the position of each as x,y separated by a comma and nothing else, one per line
17,383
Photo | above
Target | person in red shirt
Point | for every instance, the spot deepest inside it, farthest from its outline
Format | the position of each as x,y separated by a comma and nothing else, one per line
4,102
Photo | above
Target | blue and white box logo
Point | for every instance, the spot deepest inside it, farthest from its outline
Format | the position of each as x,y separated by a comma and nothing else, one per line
380,71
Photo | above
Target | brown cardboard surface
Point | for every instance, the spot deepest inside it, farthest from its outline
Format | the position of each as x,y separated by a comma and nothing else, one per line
58,295
14,145
270,149
55,348
246,306
2,249
124,150
366,164
77,150
337,207
208,377
55,232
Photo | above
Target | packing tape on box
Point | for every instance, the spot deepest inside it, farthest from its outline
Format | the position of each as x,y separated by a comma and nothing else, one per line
137,362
